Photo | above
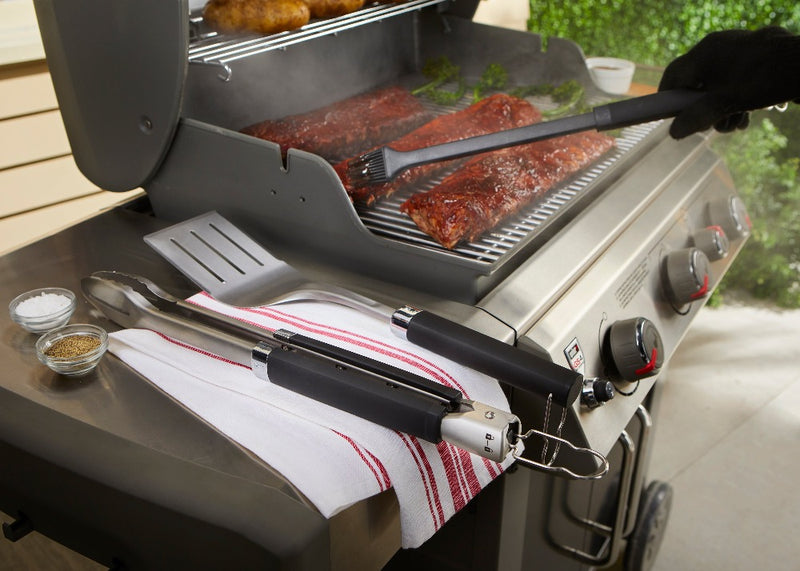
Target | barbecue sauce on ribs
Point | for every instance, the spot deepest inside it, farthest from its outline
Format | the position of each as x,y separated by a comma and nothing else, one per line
496,113
347,127
492,186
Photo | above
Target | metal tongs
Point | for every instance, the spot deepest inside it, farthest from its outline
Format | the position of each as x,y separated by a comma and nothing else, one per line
375,391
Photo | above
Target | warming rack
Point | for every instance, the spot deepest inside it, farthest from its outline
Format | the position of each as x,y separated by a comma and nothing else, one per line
385,219
211,48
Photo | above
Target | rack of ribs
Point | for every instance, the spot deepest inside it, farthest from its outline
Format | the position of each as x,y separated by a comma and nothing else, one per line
346,127
492,186
496,113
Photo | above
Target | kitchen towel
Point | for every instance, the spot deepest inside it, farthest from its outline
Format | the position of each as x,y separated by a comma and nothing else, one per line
334,458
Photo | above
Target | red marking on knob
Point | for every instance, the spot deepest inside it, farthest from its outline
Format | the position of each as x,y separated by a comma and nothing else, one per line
651,364
703,290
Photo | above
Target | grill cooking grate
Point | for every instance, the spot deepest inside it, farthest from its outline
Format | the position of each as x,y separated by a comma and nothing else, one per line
385,219
211,48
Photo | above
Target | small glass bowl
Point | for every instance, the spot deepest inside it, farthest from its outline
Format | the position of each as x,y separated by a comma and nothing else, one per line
43,323
72,366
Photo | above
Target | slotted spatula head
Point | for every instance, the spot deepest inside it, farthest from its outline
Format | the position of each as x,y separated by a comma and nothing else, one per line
222,260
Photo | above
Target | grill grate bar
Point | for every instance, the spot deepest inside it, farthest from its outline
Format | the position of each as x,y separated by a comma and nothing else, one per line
385,219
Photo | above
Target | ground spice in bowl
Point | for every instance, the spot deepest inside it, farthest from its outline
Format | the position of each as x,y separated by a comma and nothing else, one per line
72,350
72,346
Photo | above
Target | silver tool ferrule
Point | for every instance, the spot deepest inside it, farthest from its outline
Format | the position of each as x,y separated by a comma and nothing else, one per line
401,318
258,360
482,429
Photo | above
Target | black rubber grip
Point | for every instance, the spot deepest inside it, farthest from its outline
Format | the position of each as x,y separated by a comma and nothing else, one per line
644,109
451,395
358,393
506,363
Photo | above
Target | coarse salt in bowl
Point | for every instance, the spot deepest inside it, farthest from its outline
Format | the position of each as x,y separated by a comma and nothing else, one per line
72,350
41,310
612,75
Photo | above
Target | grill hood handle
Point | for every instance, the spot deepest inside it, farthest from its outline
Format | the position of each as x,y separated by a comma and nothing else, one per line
506,363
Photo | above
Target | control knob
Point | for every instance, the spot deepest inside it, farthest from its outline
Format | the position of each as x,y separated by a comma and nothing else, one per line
686,275
633,349
713,242
730,214
596,392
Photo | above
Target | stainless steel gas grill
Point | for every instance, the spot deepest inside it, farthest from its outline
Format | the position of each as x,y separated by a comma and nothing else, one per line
602,275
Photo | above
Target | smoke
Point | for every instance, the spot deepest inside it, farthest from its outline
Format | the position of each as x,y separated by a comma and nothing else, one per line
301,75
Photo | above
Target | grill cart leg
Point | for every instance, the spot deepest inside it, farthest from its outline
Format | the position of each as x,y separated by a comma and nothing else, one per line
627,502
651,523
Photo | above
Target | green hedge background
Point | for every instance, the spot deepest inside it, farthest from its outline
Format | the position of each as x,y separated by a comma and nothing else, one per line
764,159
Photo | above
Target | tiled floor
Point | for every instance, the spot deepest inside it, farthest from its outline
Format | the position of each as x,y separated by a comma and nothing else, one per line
728,440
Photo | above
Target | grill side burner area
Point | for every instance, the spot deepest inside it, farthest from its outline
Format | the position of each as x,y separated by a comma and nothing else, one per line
603,274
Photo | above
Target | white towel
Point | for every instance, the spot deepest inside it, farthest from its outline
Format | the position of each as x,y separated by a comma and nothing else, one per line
333,457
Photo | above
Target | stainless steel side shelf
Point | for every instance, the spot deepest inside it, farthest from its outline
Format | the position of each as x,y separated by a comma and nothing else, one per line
211,48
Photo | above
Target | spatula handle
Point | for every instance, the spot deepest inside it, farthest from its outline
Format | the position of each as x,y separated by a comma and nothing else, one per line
506,363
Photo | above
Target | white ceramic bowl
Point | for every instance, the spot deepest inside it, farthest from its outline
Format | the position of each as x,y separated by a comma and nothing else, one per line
42,323
612,75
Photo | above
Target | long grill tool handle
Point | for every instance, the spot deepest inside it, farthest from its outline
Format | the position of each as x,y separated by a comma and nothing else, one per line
352,390
452,397
488,355
627,112
386,163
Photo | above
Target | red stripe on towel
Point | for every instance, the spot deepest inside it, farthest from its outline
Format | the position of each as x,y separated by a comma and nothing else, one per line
382,483
428,481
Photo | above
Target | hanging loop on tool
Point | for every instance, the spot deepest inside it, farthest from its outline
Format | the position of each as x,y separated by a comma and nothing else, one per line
516,453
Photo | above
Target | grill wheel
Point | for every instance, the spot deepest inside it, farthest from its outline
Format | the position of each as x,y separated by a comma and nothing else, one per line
651,523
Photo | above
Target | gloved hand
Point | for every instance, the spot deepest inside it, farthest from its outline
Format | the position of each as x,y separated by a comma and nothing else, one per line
740,70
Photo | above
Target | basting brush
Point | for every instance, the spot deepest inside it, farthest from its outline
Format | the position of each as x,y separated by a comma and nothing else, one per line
384,163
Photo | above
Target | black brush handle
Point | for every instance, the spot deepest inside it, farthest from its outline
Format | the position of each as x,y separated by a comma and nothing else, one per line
602,118
397,161
356,392
506,363
452,396
636,110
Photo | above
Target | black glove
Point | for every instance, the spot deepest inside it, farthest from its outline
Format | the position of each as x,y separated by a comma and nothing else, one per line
740,70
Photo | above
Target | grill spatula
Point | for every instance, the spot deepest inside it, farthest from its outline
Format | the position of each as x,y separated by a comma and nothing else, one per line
383,164
233,268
